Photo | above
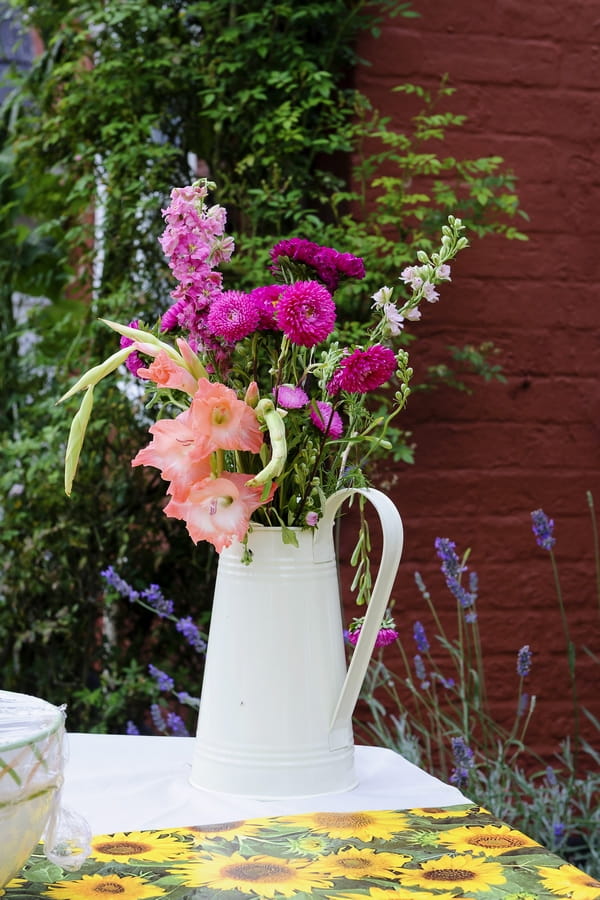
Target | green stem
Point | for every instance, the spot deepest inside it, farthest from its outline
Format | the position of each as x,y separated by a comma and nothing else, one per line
570,652
596,544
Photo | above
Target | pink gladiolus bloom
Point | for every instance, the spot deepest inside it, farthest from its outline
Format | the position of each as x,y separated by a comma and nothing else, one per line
165,372
306,312
173,451
327,419
364,370
218,509
221,421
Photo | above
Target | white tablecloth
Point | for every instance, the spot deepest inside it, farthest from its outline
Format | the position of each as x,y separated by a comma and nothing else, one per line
128,783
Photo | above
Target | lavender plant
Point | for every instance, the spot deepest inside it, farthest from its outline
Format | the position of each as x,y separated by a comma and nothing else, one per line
436,714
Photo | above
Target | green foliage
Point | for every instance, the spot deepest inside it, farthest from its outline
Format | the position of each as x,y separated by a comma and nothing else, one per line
125,101
437,714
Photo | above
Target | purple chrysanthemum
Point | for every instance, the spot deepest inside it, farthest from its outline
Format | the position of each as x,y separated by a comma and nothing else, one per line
233,316
306,313
327,419
364,370
290,397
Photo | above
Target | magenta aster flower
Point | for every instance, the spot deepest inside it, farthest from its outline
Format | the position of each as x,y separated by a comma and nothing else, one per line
327,419
233,316
306,313
266,299
364,370
290,397
328,264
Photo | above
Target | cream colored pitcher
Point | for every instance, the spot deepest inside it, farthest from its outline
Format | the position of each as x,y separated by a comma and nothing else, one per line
277,698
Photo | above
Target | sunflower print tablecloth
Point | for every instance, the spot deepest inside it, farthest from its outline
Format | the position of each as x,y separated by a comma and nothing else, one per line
451,853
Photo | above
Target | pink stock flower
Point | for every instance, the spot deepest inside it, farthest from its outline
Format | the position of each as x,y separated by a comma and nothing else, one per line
165,372
306,313
233,316
327,419
173,451
364,370
221,421
218,509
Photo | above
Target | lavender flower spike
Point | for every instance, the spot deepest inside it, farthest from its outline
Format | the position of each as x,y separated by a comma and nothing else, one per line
543,529
420,637
164,681
463,761
524,661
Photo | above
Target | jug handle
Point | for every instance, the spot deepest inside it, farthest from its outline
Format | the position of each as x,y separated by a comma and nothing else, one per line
393,539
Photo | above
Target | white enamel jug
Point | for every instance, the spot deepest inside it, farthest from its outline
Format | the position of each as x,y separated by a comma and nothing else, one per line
277,699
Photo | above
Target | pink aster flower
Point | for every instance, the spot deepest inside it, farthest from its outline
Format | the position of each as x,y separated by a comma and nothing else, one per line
266,299
218,509
233,316
306,313
364,370
221,421
327,419
290,397
385,636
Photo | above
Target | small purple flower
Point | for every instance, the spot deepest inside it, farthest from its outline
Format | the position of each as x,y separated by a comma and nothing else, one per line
311,519
446,551
163,681
463,761
559,831
524,661
176,725
154,597
131,728
420,671
420,638
326,419
523,705
119,584
543,529
134,361
290,397
191,633
157,717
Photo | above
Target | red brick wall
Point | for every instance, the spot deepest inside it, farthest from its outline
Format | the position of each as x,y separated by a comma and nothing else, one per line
528,77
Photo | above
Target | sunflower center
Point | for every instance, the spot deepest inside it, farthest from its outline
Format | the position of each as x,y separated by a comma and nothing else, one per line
251,871
218,826
449,874
352,820
498,841
122,848
352,862
109,887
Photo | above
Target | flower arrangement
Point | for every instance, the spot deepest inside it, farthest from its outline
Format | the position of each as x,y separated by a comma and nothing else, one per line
264,398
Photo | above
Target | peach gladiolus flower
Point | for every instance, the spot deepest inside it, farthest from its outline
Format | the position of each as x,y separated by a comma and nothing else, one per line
173,451
165,372
221,421
218,509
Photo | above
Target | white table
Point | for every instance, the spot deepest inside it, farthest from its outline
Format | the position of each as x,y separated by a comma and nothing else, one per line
128,783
